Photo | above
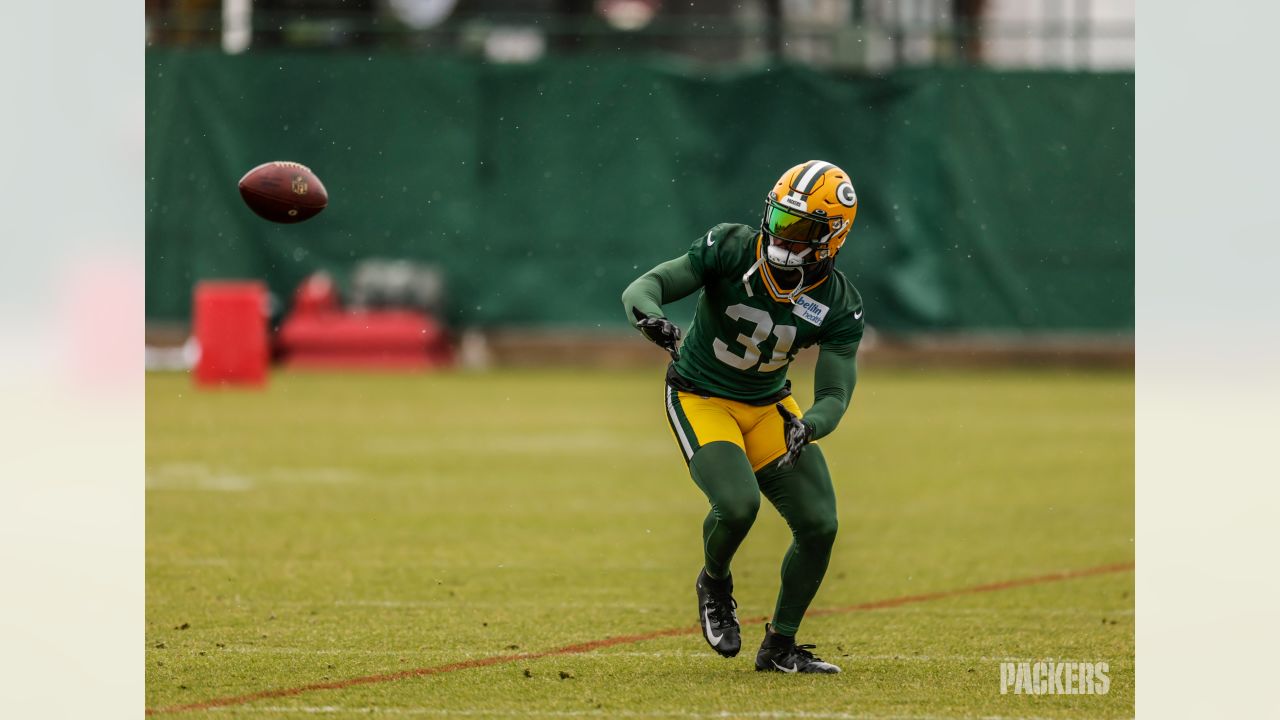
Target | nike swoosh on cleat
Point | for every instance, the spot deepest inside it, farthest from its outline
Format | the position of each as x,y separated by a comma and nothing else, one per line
793,668
712,638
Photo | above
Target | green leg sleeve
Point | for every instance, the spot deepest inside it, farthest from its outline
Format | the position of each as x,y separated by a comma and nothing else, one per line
805,498
722,472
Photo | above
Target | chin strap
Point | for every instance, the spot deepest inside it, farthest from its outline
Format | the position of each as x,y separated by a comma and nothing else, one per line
746,277
789,297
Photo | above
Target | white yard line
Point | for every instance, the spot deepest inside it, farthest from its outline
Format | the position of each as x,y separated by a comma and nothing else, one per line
211,483
445,654
453,655
199,476
443,712
454,602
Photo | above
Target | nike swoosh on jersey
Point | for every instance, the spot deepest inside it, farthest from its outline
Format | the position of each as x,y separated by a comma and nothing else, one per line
710,242
857,315
712,638
793,668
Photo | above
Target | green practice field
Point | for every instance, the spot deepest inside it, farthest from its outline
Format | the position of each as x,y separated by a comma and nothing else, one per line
409,543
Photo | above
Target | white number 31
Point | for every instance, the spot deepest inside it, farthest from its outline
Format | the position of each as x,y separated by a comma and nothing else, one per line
786,335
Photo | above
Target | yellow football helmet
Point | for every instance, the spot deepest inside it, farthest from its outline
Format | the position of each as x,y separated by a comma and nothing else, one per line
807,217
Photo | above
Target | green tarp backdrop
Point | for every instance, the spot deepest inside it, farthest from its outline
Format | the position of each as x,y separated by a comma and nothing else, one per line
987,200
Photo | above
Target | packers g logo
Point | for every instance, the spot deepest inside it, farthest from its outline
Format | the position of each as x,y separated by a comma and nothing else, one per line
846,195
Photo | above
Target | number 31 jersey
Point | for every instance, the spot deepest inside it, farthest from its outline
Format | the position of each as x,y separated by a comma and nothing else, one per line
745,334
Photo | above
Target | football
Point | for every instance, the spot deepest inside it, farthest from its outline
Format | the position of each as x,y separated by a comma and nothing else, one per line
283,192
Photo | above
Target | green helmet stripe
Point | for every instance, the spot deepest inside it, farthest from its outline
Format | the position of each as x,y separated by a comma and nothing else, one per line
809,177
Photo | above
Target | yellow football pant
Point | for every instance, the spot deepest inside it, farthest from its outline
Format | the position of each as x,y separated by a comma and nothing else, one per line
756,430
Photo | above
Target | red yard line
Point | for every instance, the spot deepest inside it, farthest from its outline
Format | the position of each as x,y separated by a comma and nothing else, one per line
626,640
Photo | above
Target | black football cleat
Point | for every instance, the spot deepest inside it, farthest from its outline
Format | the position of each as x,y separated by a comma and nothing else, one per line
718,614
780,653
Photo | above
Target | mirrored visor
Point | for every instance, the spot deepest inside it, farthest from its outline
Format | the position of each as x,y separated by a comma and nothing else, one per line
781,223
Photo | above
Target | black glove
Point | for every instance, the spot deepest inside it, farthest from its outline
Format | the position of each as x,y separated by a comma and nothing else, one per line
660,331
796,432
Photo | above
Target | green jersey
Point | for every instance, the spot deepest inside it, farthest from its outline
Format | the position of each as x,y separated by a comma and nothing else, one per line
743,337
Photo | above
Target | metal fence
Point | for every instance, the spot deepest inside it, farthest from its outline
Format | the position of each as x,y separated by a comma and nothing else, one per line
843,34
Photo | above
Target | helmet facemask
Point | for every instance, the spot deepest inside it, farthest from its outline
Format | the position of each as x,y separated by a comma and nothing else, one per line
797,240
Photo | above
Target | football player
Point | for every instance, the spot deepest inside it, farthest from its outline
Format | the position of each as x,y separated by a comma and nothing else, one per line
767,293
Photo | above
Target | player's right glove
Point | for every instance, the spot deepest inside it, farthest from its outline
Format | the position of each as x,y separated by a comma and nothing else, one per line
660,331
796,432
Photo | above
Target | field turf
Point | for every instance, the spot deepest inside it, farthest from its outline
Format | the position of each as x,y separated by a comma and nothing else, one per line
427,534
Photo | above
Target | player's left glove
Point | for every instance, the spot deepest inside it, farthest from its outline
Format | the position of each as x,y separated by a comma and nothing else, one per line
797,434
